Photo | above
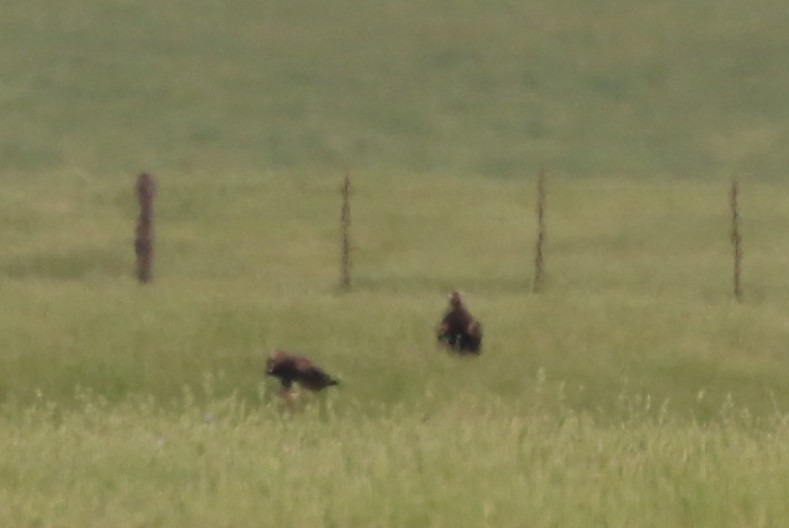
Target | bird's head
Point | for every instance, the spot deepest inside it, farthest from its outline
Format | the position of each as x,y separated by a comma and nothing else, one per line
455,299
273,361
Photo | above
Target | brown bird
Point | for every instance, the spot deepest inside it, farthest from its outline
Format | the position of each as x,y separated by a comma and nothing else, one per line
459,330
289,368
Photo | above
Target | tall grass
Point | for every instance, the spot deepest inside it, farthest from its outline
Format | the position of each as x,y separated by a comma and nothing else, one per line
634,391
475,463
638,301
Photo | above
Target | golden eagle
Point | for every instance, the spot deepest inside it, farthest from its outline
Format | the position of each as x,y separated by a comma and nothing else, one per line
459,330
290,368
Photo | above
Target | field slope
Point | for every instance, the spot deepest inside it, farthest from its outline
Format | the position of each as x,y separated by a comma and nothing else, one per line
606,87
632,391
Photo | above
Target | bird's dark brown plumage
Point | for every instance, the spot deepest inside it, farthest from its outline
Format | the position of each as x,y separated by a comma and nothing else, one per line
290,368
459,330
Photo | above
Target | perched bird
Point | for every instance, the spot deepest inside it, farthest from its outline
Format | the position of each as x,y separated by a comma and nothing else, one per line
459,330
289,368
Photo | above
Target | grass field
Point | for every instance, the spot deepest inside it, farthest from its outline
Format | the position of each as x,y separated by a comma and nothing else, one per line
633,391
605,87
475,465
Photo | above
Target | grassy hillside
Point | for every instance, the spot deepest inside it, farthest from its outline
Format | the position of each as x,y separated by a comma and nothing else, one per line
606,87
133,465
633,391
637,297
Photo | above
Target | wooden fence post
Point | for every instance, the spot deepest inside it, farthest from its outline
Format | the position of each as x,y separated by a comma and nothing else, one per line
539,263
143,242
345,227
736,239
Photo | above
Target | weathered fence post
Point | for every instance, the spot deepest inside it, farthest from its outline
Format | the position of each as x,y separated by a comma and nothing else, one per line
143,243
736,240
538,250
345,227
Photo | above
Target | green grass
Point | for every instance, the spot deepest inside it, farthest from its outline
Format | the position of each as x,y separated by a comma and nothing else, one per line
477,464
605,87
633,391
638,295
